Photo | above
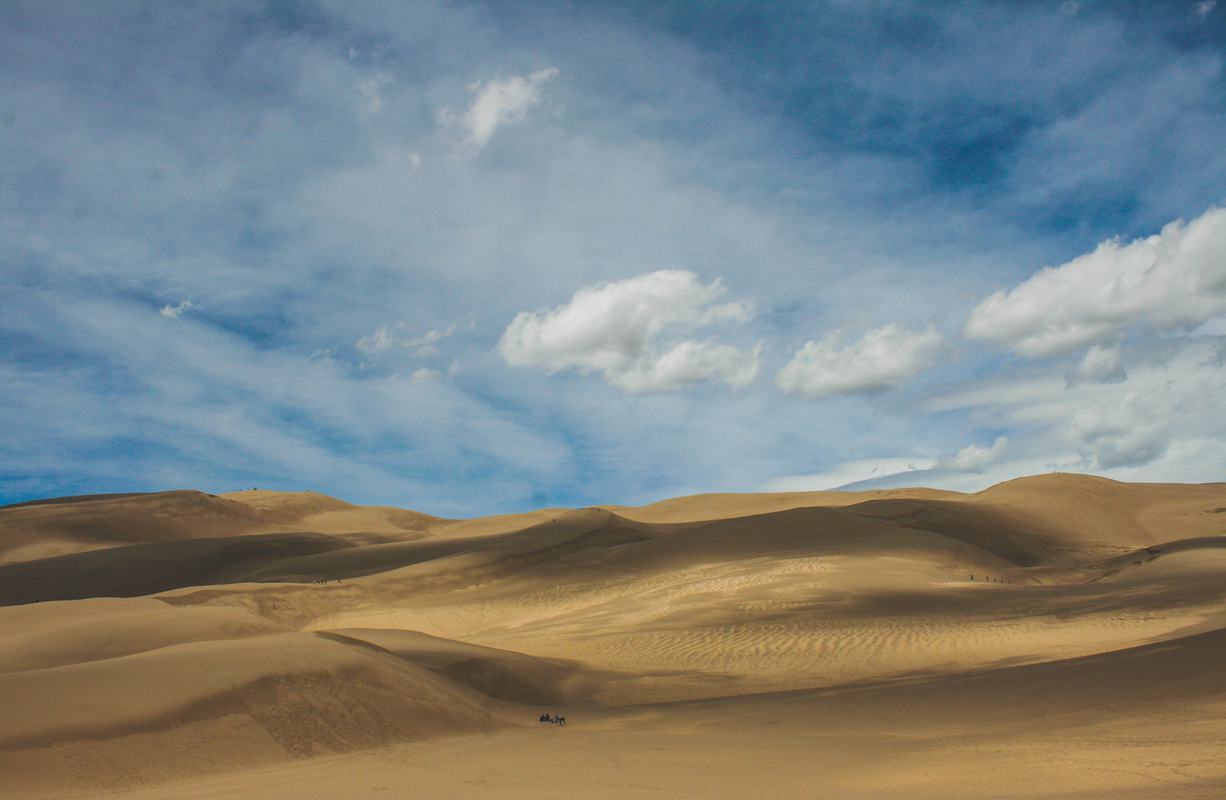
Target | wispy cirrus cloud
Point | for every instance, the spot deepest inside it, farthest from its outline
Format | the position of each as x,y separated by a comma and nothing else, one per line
384,338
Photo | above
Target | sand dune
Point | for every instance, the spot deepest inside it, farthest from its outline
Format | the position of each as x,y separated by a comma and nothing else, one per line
63,526
1056,636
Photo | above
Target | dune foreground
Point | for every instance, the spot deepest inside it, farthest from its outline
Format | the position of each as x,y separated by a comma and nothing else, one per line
1055,636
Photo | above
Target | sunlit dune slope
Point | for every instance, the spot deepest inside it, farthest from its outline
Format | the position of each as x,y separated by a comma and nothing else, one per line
317,512
1036,517
700,507
249,700
68,525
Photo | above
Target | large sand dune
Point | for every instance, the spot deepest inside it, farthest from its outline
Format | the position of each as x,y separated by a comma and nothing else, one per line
1055,636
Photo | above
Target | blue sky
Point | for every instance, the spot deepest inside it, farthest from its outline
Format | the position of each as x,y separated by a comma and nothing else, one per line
472,258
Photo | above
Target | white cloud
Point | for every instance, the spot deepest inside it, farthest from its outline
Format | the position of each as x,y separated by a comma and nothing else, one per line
1099,365
1205,7
900,471
1173,280
849,472
497,103
881,359
974,457
176,312
971,469
616,329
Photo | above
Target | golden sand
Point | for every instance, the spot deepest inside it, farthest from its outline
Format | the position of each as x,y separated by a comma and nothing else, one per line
1059,636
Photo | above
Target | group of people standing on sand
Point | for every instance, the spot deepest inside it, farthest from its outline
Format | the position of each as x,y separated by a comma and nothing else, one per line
985,579
554,718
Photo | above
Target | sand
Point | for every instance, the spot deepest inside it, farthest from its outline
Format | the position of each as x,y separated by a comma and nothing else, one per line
1057,636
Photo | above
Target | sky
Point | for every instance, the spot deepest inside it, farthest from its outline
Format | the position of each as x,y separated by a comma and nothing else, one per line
472,258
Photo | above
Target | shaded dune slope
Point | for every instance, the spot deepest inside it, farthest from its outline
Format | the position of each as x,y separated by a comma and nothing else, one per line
503,675
148,568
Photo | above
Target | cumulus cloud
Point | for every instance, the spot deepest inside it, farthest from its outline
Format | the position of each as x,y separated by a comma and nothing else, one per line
618,328
974,457
881,359
1099,365
1173,280
176,312
497,103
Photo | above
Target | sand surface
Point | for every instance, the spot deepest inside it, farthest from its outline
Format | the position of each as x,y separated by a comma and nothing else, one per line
1058,636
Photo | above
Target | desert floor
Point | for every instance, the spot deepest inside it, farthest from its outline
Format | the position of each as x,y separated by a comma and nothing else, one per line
1059,636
